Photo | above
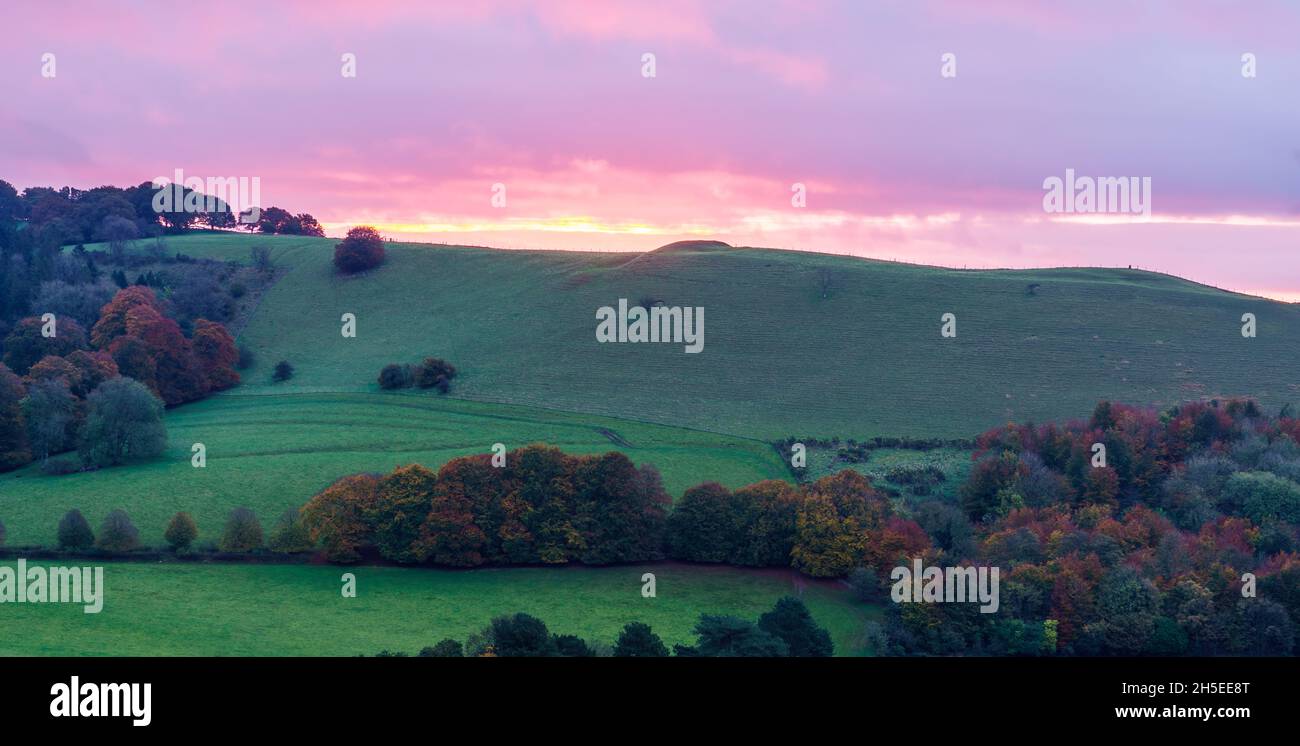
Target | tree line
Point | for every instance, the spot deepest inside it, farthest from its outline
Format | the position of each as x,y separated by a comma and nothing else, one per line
788,630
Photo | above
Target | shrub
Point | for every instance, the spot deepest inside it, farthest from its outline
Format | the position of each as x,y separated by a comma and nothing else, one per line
181,532
118,534
58,467
394,376
290,534
435,373
362,249
283,371
246,358
74,531
2,533
243,532
448,648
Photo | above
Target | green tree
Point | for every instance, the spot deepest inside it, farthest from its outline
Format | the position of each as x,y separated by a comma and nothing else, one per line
733,637
50,410
790,621
448,648
520,636
290,534
1264,497
74,531
124,423
637,640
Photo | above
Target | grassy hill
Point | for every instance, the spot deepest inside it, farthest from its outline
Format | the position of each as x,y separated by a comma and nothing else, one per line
795,343
189,609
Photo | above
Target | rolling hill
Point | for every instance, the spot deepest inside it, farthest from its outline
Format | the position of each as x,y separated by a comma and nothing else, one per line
795,343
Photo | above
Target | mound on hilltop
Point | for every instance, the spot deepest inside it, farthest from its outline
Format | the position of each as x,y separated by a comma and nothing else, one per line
697,245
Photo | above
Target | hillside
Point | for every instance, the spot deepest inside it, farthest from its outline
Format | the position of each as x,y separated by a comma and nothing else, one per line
795,343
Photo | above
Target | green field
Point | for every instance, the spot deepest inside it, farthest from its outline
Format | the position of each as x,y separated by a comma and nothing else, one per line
274,451
260,610
779,358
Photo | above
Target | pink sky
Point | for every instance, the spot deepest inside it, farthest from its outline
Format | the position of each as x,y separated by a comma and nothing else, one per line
548,98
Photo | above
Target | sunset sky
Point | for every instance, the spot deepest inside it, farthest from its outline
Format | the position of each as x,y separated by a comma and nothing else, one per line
548,98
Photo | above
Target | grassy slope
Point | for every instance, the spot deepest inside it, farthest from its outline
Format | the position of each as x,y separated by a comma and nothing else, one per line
272,452
179,609
779,359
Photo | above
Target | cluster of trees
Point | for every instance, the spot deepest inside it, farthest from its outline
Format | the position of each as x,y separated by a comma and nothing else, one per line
117,422
431,373
544,506
38,222
360,250
1184,542
788,630
275,220
104,391
242,533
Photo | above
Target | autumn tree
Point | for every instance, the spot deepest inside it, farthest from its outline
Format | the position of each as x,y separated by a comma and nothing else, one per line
118,534
181,532
243,532
14,448
26,344
334,517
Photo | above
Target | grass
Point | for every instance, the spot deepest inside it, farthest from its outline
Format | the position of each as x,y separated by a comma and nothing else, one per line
782,356
955,463
274,451
273,610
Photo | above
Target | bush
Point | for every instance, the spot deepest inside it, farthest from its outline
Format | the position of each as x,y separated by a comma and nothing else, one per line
246,358
394,376
2,533
243,532
283,371
290,534
118,534
74,531
363,249
436,373
57,467
448,648
181,532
